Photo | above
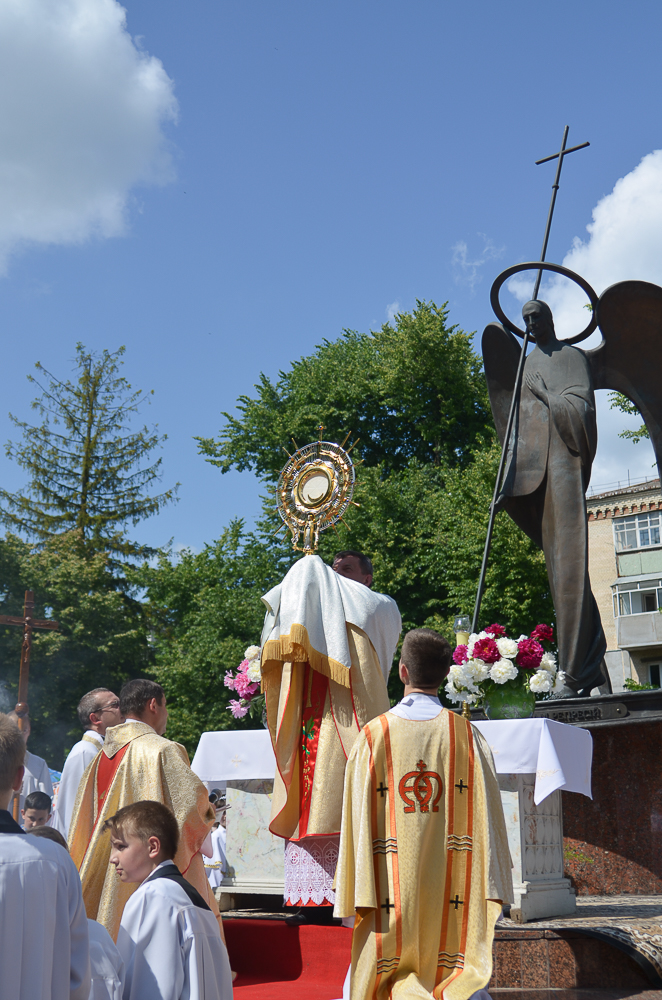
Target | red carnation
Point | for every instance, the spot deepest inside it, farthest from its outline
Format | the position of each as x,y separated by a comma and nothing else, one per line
460,655
545,633
529,654
487,651
497,631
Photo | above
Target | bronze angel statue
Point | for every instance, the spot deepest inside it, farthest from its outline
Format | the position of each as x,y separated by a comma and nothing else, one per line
553,442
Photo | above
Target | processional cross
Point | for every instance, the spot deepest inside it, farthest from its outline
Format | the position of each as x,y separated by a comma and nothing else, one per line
562,153
27,623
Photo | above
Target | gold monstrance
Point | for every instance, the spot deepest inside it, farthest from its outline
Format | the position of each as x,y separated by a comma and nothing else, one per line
314,490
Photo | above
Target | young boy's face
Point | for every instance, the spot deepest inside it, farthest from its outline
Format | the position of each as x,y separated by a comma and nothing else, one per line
134,859
34,817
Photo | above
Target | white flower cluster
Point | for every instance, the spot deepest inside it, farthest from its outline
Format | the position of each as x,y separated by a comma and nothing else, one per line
253,655
546,678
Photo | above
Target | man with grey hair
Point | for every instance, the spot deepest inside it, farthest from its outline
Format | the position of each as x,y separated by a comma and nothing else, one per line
98,710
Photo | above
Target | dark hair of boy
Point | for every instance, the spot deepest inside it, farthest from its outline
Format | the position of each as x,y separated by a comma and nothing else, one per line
38,800
50,833
427,657
364,562
89,703
12,751
144,820
136,695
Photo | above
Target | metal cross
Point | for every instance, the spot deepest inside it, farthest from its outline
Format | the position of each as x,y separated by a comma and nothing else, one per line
562,153
27,623
382,789
388,906
456,902
461,786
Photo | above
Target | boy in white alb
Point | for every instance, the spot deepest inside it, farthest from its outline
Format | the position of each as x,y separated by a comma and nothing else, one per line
169,939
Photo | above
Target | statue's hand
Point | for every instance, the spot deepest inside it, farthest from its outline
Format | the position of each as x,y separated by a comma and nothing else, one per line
536,384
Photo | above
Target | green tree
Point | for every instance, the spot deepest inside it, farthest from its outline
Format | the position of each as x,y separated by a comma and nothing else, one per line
617,401
410,391
203,610
85,467
101,640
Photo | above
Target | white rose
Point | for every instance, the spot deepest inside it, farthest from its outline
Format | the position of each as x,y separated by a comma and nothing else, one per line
559,681
252,653
541,682
522,637
253,672
507,648
548,663
480,670
502,671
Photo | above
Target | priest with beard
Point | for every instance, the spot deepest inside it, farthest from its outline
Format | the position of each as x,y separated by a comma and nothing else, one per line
137,763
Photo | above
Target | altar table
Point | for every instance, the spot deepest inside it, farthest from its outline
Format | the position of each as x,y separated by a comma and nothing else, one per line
535,759
243,762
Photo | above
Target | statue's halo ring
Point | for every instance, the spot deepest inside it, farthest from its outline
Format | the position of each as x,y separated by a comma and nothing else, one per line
542,266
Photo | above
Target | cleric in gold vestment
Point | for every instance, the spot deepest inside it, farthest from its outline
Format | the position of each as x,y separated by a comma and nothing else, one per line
424,864
328,646
137,763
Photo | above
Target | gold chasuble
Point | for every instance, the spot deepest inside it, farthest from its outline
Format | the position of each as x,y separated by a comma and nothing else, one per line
327,650
136,764
424,861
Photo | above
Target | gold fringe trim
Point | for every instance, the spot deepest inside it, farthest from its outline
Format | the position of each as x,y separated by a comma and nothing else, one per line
297,648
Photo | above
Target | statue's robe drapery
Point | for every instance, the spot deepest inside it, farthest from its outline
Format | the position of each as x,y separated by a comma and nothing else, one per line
327,652
136,764
424,862
548,467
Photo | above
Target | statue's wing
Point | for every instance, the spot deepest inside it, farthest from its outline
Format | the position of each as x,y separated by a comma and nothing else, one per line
501,351
629,360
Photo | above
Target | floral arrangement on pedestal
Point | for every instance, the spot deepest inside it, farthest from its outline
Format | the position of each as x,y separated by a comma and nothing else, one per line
504,675
246,682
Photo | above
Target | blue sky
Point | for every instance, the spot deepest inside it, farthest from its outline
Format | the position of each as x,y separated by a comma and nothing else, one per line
308,168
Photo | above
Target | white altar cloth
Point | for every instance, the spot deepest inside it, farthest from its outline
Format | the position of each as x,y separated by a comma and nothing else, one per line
559,755
238,755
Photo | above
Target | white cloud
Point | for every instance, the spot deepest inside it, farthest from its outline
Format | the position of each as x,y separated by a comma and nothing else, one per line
624,242
466,268
392,310
80,121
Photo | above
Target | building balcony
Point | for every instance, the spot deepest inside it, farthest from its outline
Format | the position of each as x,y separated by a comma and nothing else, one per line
639,631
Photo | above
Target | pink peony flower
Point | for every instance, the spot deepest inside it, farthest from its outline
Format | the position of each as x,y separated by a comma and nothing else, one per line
460,655
243,666
545,633
245,687
486,650
530,654
237,709
496,631
229,681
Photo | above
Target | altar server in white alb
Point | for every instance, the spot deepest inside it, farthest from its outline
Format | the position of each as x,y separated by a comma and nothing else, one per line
169,938
37,777
98,710
44,943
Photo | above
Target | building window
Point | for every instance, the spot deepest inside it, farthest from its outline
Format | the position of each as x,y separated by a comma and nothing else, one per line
654,674
637,598
637,532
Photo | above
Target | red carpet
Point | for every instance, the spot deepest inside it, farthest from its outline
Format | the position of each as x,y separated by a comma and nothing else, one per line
277,962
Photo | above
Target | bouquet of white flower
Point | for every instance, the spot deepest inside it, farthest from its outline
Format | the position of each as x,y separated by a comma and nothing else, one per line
491,659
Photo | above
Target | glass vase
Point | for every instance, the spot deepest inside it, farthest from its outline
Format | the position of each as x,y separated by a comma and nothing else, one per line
509,701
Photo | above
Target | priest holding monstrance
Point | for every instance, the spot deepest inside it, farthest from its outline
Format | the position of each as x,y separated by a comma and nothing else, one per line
328,645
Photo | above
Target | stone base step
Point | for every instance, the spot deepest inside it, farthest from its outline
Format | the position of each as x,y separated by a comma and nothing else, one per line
539,961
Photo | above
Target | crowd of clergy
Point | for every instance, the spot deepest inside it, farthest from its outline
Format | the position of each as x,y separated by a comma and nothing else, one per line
106,894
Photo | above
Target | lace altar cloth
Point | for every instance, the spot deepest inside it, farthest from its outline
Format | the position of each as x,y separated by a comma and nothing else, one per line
310,867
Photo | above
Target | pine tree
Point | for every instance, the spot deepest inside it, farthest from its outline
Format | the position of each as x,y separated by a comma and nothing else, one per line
86,468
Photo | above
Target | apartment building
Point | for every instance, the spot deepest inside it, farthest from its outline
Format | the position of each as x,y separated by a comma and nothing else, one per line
625,567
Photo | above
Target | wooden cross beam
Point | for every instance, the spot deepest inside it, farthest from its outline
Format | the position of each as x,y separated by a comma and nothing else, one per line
27,623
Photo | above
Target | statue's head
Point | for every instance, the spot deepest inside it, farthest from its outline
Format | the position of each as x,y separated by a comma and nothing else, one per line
539,321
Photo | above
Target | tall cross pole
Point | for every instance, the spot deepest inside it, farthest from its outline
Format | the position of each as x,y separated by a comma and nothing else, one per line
561,155
27,623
